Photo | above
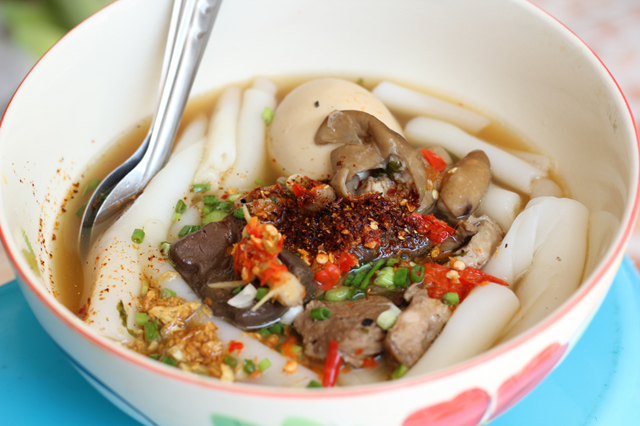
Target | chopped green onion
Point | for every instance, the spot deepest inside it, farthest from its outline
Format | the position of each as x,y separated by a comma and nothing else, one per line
387,318
248,366
358,278
81,210
200,187
394,166
276,329
188,229
225,205
169,361
385,277
238,214
337,294
348,281
137,236
155,356
393,261
237,290
264,364
314,384
267,115
91,186
264,332
356,293
401,277
320,314
234,197
214,216
367,278
451,298
166,293
399,372
145,288
231,361
151,331
165,246
123,313
181,207
261,292
417,273
142,318
210,200
259,182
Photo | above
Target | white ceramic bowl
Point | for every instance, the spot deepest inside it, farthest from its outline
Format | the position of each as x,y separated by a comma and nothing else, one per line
505,56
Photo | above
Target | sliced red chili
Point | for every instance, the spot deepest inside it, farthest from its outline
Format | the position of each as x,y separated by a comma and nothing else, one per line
345,261
235,346
434,159
328,276
440,280
430,226
331,365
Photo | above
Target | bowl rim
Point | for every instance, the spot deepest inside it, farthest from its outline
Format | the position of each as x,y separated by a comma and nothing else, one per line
50,302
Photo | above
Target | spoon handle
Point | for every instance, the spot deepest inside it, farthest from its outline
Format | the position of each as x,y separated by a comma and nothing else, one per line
194,27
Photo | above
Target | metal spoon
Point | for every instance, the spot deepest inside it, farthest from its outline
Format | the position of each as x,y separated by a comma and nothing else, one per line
191,24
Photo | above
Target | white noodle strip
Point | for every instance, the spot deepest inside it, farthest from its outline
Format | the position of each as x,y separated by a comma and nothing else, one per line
363,376
508,169
547,247
193,133
501,205
191,216
407,101
266,85
471,330
220,147
115,271
545,188
539,161
252,164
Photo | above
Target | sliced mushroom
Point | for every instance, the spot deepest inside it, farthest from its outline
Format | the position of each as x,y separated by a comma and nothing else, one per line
368,143
464,185
483,244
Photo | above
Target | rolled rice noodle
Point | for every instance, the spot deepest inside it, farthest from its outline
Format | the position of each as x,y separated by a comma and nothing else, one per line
191,216
193,133
253,166
472,329
220,147
507,168
544,253
539,161
545,188
501,205
116,272
407,101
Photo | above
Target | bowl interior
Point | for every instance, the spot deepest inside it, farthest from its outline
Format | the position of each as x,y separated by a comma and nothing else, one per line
507,58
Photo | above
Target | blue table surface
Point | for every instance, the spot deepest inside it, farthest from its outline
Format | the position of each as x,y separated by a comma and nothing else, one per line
597,384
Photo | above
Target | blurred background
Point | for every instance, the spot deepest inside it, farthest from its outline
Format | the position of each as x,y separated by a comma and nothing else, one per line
611,28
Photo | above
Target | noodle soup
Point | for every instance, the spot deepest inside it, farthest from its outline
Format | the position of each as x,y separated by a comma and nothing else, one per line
327,233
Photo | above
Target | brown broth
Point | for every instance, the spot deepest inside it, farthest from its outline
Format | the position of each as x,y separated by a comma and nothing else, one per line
67,274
